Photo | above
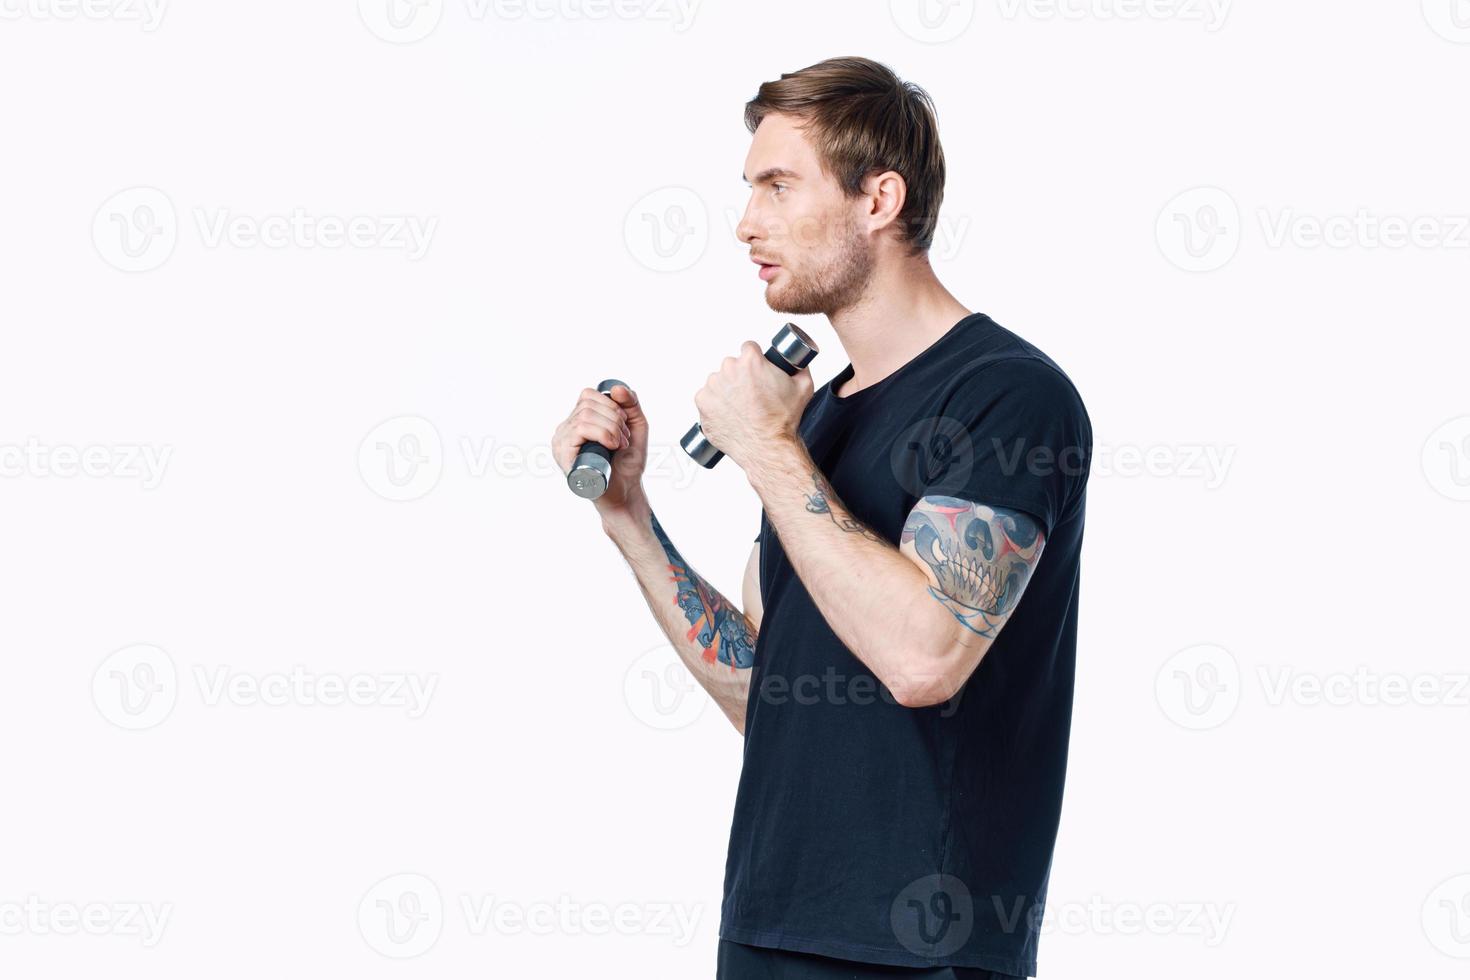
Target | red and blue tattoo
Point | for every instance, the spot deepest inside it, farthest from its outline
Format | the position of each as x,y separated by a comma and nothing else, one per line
715,625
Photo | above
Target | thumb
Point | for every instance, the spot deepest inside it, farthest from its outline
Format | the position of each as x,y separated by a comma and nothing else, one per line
628,402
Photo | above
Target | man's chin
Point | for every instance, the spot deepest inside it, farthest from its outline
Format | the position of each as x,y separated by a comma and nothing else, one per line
781,301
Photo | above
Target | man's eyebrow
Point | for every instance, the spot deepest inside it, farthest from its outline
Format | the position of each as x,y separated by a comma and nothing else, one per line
771,173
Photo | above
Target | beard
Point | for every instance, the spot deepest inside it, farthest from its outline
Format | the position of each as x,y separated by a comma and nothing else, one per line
835,285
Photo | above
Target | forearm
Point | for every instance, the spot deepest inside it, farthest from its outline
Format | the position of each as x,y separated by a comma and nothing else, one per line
712,637
874,598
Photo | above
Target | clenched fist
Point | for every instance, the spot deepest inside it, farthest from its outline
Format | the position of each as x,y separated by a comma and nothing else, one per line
616,421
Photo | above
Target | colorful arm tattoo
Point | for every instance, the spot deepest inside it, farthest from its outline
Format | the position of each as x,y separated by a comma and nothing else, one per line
817,503
717,626
981,557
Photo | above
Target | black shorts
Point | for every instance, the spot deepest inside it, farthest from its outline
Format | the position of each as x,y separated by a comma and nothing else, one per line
738,961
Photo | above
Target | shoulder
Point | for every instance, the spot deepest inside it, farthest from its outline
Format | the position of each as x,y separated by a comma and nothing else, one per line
1018,382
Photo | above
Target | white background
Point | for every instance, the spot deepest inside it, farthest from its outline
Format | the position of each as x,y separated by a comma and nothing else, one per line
578,169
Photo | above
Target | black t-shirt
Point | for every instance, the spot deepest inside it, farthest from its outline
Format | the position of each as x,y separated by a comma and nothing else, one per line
865,830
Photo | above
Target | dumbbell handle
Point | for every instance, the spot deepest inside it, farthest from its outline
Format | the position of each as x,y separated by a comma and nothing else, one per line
592,469
791,350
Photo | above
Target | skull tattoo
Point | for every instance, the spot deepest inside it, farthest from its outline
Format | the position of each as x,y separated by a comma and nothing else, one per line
981,557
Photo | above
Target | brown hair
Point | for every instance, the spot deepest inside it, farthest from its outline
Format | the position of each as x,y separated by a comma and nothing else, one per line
863,119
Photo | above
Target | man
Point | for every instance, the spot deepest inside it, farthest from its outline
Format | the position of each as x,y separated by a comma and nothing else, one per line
902,667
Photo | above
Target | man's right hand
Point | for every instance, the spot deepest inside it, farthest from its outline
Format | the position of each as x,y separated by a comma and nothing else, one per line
619,424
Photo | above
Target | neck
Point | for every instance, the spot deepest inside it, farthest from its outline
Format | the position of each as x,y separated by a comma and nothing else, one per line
903,310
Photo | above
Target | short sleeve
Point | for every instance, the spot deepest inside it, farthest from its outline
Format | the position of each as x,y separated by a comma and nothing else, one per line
1013,433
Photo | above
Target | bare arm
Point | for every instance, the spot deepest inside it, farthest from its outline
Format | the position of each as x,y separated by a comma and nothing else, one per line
921,616
714,639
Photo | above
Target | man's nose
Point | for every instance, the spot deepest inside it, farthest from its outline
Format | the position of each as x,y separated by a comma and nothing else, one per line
748,229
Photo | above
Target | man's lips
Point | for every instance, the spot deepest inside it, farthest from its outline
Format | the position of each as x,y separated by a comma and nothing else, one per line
767,269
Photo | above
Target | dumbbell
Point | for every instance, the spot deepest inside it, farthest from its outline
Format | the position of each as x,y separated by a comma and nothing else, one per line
592,468
791,350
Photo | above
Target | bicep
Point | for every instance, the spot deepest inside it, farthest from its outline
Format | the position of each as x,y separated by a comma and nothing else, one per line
750,587
978,558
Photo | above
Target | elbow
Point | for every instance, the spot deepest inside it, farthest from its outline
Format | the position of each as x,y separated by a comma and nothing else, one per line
923,687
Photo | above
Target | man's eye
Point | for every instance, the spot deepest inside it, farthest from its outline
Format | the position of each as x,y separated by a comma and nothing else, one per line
778,188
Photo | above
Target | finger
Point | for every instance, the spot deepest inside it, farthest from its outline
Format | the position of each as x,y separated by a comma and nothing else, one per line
587,431
600,409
